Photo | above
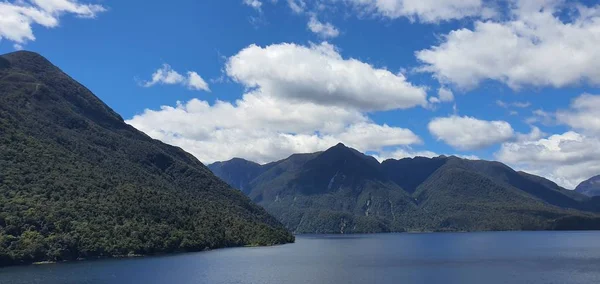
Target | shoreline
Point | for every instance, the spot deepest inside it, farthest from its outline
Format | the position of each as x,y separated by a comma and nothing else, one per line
132,256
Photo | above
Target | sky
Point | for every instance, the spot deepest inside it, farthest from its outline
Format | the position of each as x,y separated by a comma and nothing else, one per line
515,81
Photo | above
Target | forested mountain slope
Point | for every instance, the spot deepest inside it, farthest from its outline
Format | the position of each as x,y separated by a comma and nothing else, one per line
77,182
344,191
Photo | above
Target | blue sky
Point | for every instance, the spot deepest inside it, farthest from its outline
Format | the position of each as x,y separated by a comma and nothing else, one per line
271,78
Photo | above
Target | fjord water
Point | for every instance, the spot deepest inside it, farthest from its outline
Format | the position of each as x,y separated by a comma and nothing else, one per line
493,257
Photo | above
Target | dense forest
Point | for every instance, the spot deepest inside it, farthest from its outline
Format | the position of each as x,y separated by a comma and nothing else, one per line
78,182
344,191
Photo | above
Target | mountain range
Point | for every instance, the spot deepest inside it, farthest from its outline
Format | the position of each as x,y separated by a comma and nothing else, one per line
342,190
76,181
590,187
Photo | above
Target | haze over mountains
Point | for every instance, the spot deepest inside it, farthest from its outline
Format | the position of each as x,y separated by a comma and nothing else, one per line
590,187
77,182
344,191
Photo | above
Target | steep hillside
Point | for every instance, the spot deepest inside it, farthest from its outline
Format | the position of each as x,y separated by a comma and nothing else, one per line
337,191
78,182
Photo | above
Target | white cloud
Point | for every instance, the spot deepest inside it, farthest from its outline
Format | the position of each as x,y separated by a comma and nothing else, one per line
298,99
468,133
18,17
444,95
69,6
370,136
166,75
583,115
323,30
424,10
195,82
521,104
319,74
567,158
535,134
535,47
264,128
256,4
504,104
541,116
297,6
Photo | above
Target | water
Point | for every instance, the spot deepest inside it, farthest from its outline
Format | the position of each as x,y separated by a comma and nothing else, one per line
499,257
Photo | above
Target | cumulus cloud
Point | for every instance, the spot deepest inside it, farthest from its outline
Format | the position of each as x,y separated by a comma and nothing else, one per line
444,95
264,128
424,10
469,133
566,159
542,44
535,134
298,99
195,82
323,30
370,136
583,115
319,74
166,75
17,18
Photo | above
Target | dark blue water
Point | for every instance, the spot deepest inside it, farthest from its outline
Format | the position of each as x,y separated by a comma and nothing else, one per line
504,257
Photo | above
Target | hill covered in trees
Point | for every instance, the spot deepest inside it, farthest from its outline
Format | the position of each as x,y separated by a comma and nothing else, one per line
344,191
77,182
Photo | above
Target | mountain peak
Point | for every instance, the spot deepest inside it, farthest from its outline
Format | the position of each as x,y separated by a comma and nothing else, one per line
27,60
58,96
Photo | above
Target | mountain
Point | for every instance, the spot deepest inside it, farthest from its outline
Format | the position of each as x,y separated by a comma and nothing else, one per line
590,187
238,172
76,181
342,190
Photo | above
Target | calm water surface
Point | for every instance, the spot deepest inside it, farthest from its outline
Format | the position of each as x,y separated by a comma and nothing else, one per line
505,257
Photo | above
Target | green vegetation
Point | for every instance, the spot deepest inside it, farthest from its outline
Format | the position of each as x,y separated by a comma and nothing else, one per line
77,182
344,191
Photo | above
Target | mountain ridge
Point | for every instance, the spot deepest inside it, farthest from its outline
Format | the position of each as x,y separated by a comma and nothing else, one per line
590,187
412,194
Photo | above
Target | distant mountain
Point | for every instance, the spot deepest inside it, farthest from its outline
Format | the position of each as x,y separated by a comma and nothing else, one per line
238,172
344,191
590,187
77,182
